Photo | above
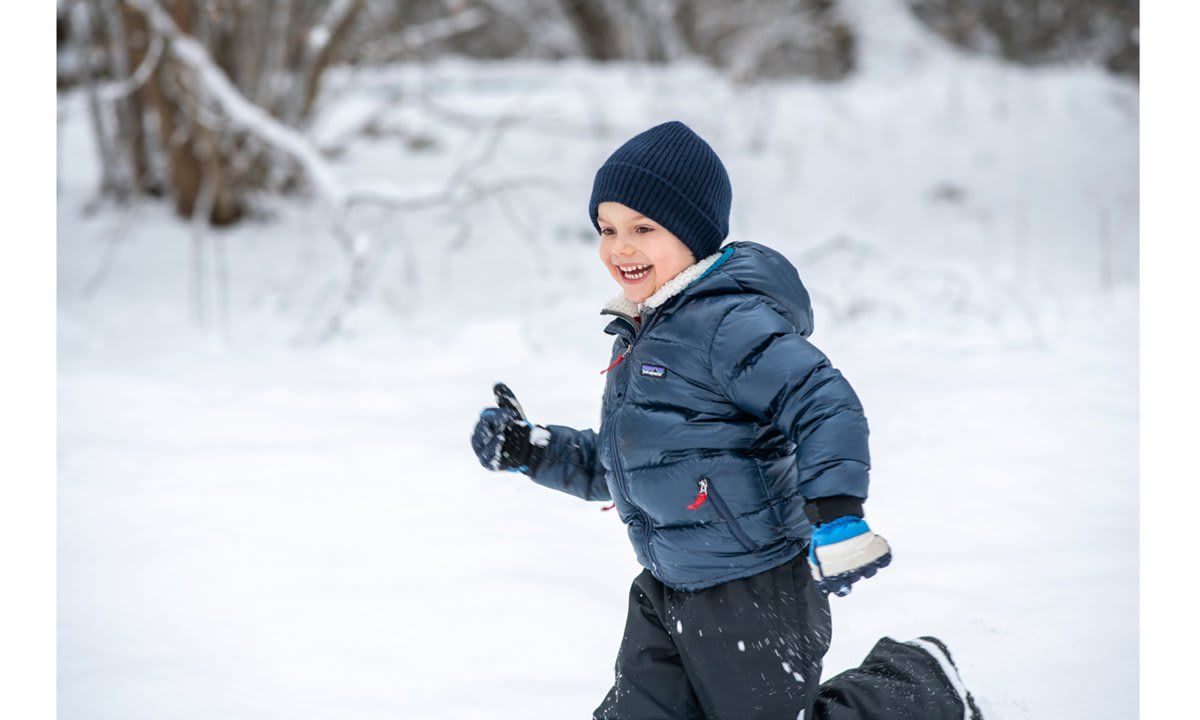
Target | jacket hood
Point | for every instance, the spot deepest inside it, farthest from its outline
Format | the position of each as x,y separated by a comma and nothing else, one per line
742,267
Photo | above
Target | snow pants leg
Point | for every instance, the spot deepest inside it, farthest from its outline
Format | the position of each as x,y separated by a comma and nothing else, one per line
748,649
752,649
896,681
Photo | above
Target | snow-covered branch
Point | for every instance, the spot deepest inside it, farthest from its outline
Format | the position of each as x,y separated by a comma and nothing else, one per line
252,119
241,111
210,87
118,89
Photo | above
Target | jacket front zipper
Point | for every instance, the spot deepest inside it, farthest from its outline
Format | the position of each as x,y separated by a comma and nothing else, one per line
616,456
642,517
706,484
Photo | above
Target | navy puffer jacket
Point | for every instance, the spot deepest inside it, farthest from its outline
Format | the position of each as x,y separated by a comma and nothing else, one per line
716,387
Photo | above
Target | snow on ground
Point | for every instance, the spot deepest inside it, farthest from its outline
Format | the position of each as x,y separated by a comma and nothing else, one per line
254,526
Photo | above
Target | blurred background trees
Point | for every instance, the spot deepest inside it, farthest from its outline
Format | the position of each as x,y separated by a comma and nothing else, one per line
159,131
154,126
1041,31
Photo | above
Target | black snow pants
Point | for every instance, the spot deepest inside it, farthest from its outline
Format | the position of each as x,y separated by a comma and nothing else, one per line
752,649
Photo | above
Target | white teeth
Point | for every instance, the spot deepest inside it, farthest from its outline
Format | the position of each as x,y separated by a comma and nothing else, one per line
634,272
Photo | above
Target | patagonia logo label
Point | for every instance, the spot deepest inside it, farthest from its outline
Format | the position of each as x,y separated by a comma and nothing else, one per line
653,370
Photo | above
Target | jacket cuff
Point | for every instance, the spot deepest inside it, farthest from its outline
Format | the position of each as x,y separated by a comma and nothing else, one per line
824,509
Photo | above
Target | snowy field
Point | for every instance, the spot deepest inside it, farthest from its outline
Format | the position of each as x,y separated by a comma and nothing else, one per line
255,525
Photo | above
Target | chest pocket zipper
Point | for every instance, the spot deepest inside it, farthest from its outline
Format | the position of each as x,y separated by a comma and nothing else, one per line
708,490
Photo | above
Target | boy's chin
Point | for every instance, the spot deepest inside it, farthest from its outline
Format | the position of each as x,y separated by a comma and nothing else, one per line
636,297
639,292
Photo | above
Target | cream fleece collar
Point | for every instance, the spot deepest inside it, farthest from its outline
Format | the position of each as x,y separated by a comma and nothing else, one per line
673,287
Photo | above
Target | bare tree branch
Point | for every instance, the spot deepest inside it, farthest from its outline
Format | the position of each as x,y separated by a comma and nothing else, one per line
413,38
319,45
83,29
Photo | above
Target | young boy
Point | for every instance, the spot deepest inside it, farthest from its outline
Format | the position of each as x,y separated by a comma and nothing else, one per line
736,455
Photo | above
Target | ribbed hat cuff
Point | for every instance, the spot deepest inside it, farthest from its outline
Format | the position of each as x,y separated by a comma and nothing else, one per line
657,199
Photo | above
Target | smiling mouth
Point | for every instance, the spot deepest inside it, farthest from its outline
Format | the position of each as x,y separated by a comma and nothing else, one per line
633,273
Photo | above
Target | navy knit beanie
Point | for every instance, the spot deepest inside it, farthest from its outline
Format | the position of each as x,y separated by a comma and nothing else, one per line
670,175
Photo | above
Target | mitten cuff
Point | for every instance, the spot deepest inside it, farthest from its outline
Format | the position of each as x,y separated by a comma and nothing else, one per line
539,440
824,509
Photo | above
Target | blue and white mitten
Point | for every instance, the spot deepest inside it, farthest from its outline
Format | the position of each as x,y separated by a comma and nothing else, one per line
843,551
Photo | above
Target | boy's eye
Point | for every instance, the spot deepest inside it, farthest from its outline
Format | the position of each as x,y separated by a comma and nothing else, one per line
638,230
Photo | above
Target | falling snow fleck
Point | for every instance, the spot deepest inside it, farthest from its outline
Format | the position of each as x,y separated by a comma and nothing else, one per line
741,646
787,668
679,626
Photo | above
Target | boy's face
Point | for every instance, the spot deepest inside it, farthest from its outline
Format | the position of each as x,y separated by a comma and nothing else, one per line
629,240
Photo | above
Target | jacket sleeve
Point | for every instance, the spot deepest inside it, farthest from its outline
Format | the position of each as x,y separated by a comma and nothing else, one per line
771,371
570,464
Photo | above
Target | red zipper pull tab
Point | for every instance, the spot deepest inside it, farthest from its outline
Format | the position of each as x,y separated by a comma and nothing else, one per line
619,359
701,497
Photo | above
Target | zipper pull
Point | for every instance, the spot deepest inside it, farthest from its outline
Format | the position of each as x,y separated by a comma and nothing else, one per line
701,497
620,357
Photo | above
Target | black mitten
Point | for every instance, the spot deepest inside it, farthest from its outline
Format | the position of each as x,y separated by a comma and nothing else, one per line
504,439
